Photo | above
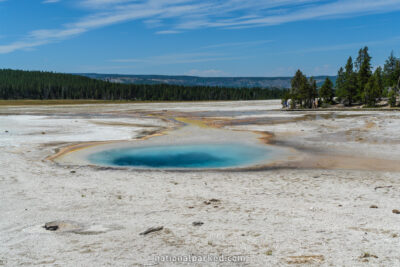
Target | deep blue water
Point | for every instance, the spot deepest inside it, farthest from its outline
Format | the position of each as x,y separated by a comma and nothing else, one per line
183,156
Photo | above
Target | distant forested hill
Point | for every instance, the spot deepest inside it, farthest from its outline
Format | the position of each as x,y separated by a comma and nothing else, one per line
17,84
236,82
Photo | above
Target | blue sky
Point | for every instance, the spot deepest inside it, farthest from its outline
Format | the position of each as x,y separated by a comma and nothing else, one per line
195,37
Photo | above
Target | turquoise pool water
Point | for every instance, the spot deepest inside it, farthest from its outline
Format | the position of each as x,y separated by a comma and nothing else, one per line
183,156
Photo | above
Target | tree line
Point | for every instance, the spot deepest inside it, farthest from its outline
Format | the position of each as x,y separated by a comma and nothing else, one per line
356,83
18,84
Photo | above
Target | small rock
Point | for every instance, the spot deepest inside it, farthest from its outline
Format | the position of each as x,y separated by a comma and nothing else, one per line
368,255
396,211
197,223
379,187
268,252
373,207
213,200
43,132
340,205
190,207
72,171
51,226
152,229
6,131
66,226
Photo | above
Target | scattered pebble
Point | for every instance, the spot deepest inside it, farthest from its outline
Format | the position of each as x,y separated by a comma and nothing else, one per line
43,132
72,171
79,228
379,187
213,200
368,255
152,229
396,211
63,226
51,226
197,223
373,207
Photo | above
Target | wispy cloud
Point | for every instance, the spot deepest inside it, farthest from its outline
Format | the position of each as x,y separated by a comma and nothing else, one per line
168,32
175,16
237,44
50,1
345,46
182,58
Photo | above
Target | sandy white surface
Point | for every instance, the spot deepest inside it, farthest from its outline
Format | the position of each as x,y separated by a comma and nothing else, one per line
272,217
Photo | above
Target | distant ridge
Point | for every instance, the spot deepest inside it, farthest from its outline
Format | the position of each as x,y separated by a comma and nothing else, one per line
236,82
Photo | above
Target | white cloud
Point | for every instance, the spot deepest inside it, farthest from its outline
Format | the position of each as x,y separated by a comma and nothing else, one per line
168,32
175,16
237,44
50,1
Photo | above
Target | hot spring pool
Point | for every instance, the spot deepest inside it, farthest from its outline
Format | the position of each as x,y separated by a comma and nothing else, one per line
184,156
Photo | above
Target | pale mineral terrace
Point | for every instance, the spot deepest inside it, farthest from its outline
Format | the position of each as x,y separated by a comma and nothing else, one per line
313,208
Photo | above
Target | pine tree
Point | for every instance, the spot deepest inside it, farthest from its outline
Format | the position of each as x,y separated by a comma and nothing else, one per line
370,92
312,92
391,71
340,79
297,89
349,90
392,98
327,92
303,91
363,67
379,82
